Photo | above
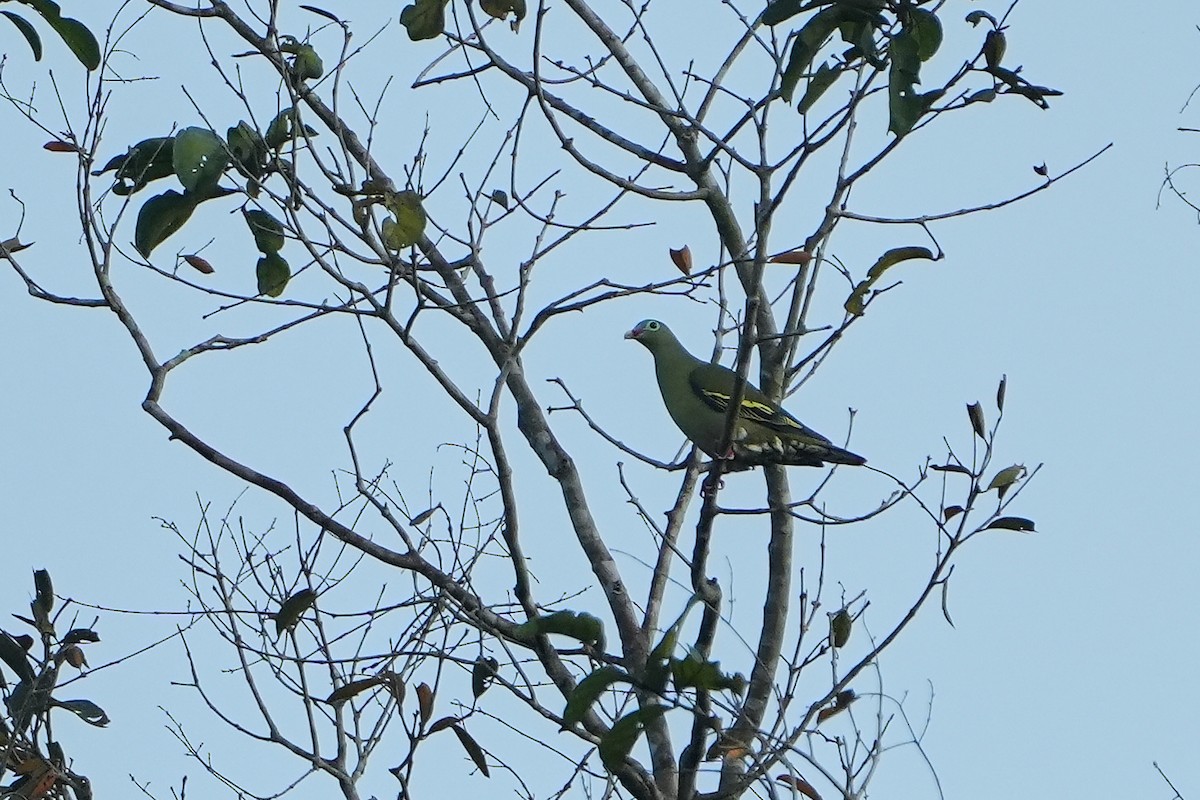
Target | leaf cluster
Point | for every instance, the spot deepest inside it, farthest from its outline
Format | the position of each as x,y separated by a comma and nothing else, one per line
74,34
33,665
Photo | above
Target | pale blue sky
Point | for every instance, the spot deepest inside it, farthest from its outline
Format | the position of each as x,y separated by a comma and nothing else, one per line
1071,666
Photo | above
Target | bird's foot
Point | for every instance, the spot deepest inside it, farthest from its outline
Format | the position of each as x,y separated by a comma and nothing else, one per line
709,487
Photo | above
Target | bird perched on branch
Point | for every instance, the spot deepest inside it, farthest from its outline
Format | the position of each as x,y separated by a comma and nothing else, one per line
697,394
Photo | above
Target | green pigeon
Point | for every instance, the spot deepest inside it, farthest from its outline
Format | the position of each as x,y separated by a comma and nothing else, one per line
696,394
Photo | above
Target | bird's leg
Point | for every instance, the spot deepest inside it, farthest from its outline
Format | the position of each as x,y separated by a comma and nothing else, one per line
713,481
710,485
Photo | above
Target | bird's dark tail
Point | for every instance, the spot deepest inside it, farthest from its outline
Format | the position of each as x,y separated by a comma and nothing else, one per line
837,455
795,452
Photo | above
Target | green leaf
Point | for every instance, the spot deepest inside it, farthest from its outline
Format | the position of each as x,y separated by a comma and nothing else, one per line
307,65
392,238
424,516
616,745
329,15
994,45
352,689
904,104
1036,94
856,301
77,635
248,148
657,670
808,42
294,607
840,626
273,275
87,711
73,32
199,159
482,674
500,9
267,231
781,10
43,589
1000,391
582,627
822,79
1018,85
975,414
280,129
1020,524
588,691
472,747
148,160
441,725
1006,478
81,41
29,32
666,645
982,96
692,672
43,602
424,19
861,38
975,17
28,699
926,30
408,220
12,654
284,128
160,217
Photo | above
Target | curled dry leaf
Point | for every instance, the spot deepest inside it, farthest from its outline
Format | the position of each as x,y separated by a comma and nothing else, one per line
800,785
425,701
74,656
682,259
975,412
726,746
292,609
199,264
352,689
442,724
841,702
800,257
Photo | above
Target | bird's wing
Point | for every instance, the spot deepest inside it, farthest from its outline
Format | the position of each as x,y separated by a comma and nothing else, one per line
714,385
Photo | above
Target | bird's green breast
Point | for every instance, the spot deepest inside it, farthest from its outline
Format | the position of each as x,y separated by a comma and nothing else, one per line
694,417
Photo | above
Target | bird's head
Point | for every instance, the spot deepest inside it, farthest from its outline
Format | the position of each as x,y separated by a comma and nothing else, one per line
651,333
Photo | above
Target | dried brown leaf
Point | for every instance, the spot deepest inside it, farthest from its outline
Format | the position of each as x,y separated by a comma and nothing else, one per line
425,701
682,259
800,257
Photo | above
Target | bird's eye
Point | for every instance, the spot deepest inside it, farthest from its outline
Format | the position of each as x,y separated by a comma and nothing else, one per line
652,326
